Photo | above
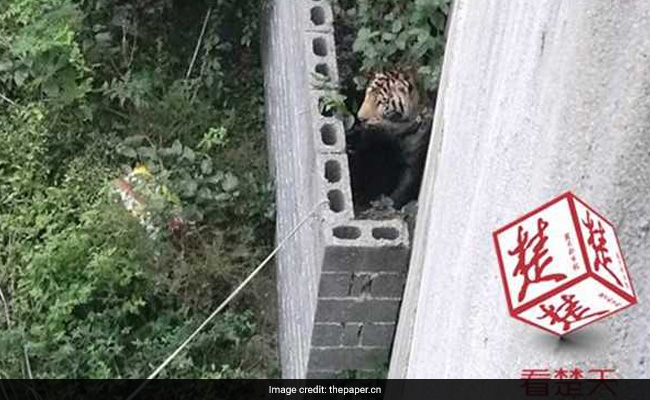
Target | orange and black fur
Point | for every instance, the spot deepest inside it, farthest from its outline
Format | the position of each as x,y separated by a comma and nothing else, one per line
393,137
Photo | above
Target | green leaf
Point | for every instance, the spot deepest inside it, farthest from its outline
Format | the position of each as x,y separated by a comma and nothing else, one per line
127,152
438,20
20,76
230,182
134,140
206,166
147,153
165,152
222,196
397,26
363,34
189,187
177,148
5,65
216,178
401,41
204,194
189,154
103,37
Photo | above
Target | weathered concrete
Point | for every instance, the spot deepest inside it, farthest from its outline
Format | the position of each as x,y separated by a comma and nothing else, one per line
377,334
347,358
326,275
536,98
327,334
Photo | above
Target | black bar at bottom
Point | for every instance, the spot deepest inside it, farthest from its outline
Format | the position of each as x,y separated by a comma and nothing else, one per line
326,389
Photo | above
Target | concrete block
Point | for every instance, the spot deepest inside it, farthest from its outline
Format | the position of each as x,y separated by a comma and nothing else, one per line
327,335
329,134
342,358
352,334
377,334
334,186
334,285
320,56
322,374
384,233
360,285
365,259
388,285
366,246
346,310
333,169
318,16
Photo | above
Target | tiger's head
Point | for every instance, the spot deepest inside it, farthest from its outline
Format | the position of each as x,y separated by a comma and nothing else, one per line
392,101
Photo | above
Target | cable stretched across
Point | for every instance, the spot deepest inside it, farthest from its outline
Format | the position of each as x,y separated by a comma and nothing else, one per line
223,304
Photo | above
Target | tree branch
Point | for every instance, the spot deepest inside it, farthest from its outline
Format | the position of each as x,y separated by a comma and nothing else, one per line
198,43
8,100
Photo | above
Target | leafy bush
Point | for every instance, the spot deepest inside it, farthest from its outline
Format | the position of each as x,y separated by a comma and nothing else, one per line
100,86
87,305
393,33
38,52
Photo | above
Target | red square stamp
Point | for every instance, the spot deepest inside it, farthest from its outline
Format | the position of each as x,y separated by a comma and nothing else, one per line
562,266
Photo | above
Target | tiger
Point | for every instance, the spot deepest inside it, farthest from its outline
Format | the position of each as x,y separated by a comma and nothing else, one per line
391,101
392,113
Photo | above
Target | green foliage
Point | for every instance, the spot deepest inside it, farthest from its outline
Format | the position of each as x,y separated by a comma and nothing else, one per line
23,148
100,86
189,173
398,33
92,288
39,56
332,103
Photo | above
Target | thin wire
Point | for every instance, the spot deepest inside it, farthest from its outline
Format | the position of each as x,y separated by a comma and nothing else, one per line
223,305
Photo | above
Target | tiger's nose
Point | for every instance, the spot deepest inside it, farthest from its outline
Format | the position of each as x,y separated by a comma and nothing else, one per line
363,116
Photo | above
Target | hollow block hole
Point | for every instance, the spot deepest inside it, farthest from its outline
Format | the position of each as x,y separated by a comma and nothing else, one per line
322,69
385,233
346,232
328,134
332,171
318,15
319,47
336,200
325,110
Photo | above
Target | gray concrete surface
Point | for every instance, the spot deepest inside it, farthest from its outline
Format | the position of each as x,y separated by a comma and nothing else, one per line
537,97
338,275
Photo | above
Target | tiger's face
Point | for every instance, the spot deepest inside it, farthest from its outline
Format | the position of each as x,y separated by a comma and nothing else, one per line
391,101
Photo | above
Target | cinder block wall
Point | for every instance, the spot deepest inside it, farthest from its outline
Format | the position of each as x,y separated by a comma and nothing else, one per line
340,280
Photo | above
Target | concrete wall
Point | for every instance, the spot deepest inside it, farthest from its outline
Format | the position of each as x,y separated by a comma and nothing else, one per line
537,97
340,280
292,153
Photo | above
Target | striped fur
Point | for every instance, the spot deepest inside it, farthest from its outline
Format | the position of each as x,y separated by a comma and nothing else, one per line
391,98
395,128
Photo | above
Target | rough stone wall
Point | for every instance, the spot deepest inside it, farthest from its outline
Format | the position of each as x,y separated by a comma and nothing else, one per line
340,280
536,98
